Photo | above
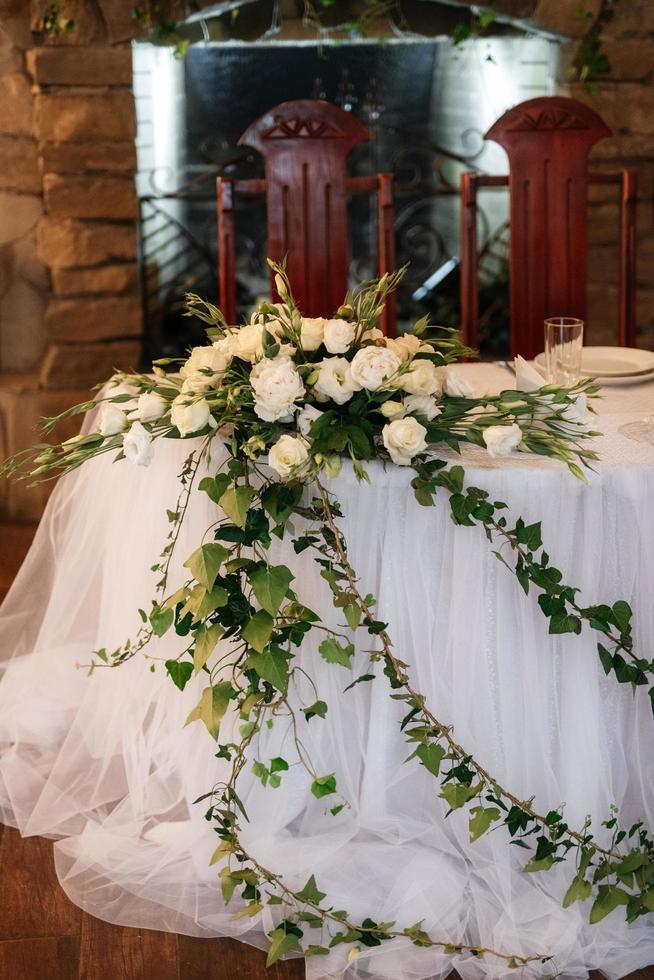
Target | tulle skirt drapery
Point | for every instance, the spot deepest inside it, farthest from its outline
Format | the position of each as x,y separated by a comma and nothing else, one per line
105,765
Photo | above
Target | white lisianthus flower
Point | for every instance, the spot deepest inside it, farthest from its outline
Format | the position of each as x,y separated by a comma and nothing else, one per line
204,368
288,456
189,416
404,439
372,367
247,342
338,335
277,386
306,417
405,346
373,334
137,445
392,409
501,440
150,407
335,380
422,378
455,385
421,405
312,331
111,420
578,410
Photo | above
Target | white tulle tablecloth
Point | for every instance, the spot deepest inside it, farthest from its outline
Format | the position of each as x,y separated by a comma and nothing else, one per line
104,764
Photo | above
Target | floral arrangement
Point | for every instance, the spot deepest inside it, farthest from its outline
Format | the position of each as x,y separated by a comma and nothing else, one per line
290,398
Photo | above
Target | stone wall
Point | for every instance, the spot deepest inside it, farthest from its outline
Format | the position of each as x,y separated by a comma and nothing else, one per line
69,305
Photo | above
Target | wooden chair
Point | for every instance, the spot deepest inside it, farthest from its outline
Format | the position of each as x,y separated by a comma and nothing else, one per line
547,141
305,145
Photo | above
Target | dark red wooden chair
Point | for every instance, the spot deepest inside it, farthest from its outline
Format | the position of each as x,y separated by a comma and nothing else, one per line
305,145
547,141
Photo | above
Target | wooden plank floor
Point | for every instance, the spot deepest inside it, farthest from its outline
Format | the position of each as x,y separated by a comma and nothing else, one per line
44,937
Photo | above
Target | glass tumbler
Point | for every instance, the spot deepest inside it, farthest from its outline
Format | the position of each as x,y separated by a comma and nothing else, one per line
564,336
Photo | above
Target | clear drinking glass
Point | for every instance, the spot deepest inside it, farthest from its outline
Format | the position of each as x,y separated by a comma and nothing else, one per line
564,336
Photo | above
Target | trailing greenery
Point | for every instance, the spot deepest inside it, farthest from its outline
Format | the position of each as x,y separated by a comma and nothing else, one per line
273,407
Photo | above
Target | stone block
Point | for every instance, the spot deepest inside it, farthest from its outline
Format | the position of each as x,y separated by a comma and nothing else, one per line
23,292
90,197
15,20
625,107
98,279
16,104
68,244
85,365
563,16
87,20
95,318
85,118
117,16
79,158
632,17
19,169
630,59
20,214
102,66
11,57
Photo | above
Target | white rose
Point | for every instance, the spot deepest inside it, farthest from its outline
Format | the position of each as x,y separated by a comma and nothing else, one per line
422,378
306,417
288,455
338,335
137,445
312,332
421,405
276,387
189,416
111,420
150,407
501,440
403,439
335,380
247,342
372,366
204,368
456,385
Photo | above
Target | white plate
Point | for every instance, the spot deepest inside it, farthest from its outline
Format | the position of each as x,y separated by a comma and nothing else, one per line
610,362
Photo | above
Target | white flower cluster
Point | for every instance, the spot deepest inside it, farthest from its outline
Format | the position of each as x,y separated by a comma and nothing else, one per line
285,386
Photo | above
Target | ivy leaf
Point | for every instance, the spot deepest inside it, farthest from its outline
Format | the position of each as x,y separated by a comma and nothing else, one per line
609,897
481,819
258,631
278,764
317,710
205,642
205,563
281,942
431,757
212,707
622,614
359,680
539,864
270,584
334,653
215,486
310,892
323,786
227,884
248,912
270,667
352,615
579,891
457,795
236,502
180,672
565,623
161,620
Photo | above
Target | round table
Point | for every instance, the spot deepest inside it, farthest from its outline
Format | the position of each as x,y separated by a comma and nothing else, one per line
105,765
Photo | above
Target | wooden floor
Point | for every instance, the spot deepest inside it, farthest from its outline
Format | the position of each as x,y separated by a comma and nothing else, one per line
44,937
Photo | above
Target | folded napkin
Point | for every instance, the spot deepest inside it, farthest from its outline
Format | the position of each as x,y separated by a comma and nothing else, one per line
527,378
